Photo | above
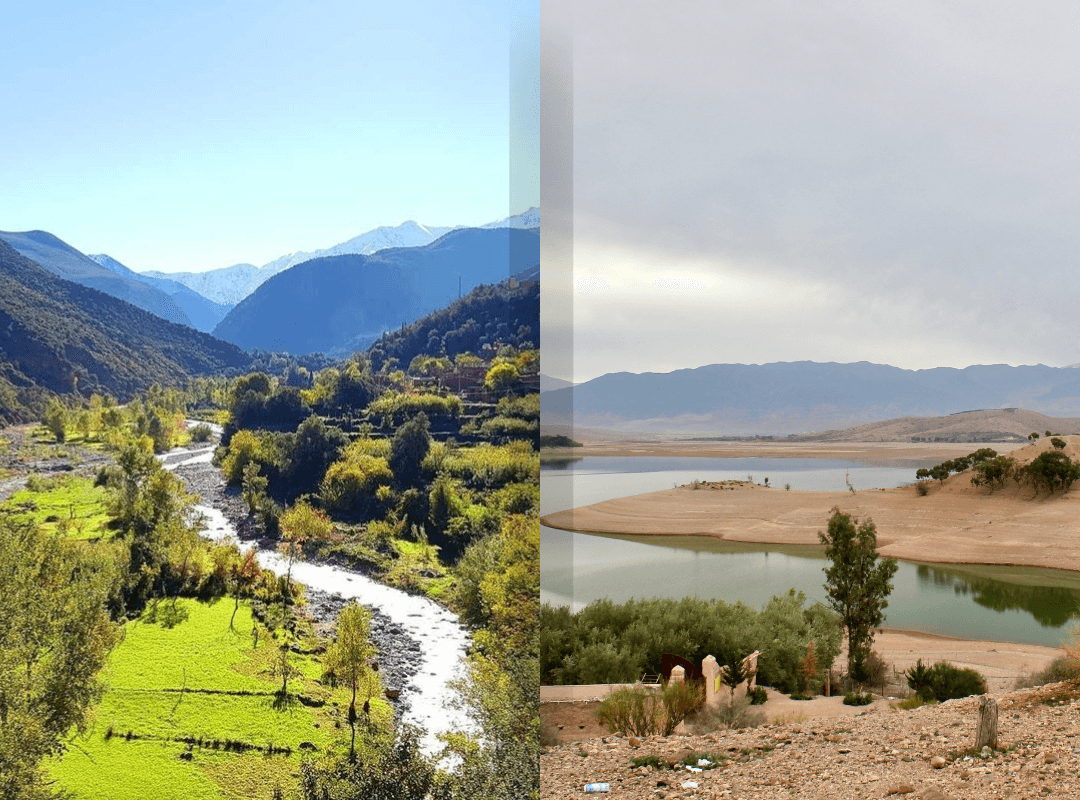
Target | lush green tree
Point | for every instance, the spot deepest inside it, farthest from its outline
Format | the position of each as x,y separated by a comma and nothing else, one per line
301,524
348,659
309,453
1052,469
992,471
56,418
55,637
501,376
1058,444
410,445
858,582
156,516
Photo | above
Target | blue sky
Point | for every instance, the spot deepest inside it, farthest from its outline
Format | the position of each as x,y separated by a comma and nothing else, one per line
186,136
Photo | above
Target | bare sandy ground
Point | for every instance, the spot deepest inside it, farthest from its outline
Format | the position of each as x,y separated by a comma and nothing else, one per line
876,452
955,523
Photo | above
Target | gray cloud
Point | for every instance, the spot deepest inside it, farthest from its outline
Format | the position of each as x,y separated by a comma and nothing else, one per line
913,164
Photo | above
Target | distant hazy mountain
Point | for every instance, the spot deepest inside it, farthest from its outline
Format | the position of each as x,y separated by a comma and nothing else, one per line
63,337
230,285
203,313
65,261
549,384
527,219
343,303
801,397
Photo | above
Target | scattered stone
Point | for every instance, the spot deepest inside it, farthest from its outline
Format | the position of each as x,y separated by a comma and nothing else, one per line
937,762
903,788
634,741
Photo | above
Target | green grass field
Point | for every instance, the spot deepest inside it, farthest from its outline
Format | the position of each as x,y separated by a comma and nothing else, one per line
201,680
72,504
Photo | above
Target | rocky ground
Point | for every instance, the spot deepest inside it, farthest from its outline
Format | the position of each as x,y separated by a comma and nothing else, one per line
926,753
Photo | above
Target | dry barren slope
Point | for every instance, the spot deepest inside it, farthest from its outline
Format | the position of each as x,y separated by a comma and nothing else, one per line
992,425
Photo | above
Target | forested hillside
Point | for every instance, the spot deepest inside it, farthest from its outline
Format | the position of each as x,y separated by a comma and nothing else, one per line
57,336
507,313
65,262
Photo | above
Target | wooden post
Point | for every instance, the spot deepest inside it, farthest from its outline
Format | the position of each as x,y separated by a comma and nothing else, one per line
987,732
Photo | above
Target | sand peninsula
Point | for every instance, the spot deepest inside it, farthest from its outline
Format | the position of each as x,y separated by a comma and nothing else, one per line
955,522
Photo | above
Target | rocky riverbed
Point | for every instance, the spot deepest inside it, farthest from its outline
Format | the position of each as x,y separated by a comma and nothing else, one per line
925,753
398,654
420,645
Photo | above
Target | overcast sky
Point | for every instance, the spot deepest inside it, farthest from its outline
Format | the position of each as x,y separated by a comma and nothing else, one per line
830,181
198,134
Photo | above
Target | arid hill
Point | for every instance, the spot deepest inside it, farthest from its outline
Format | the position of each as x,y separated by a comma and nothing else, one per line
991,425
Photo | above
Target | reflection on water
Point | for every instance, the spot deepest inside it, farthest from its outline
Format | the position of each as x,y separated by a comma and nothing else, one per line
1052,606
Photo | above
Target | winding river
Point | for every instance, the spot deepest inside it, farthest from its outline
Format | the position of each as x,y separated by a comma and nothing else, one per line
441,642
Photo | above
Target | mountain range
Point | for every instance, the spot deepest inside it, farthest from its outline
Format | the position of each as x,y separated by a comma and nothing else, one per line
338,304
805,396
58,336
230,285
64,261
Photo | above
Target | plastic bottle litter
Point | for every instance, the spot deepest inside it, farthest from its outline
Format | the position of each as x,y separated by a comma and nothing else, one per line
704,762
694,769
597,788
689,784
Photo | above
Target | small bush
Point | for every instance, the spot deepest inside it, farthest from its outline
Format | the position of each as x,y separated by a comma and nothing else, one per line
913,702
855,699
800,696
923,488
201,433
757,696
727,716
644,712
949,682
648,761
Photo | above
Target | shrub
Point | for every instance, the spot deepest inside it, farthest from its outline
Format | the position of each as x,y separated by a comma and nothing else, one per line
731,715
923,488
913,702
757,696
948,682
1058,443
855,699
800,696
645,712
201,433
1062,669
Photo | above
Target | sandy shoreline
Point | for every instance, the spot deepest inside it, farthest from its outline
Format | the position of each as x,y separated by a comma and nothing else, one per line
899,453
951,525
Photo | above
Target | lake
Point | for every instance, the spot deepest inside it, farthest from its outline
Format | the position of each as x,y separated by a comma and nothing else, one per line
1015,604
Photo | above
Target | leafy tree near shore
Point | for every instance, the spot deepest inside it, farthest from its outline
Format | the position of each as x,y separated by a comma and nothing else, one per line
55,637
348,659
858,582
